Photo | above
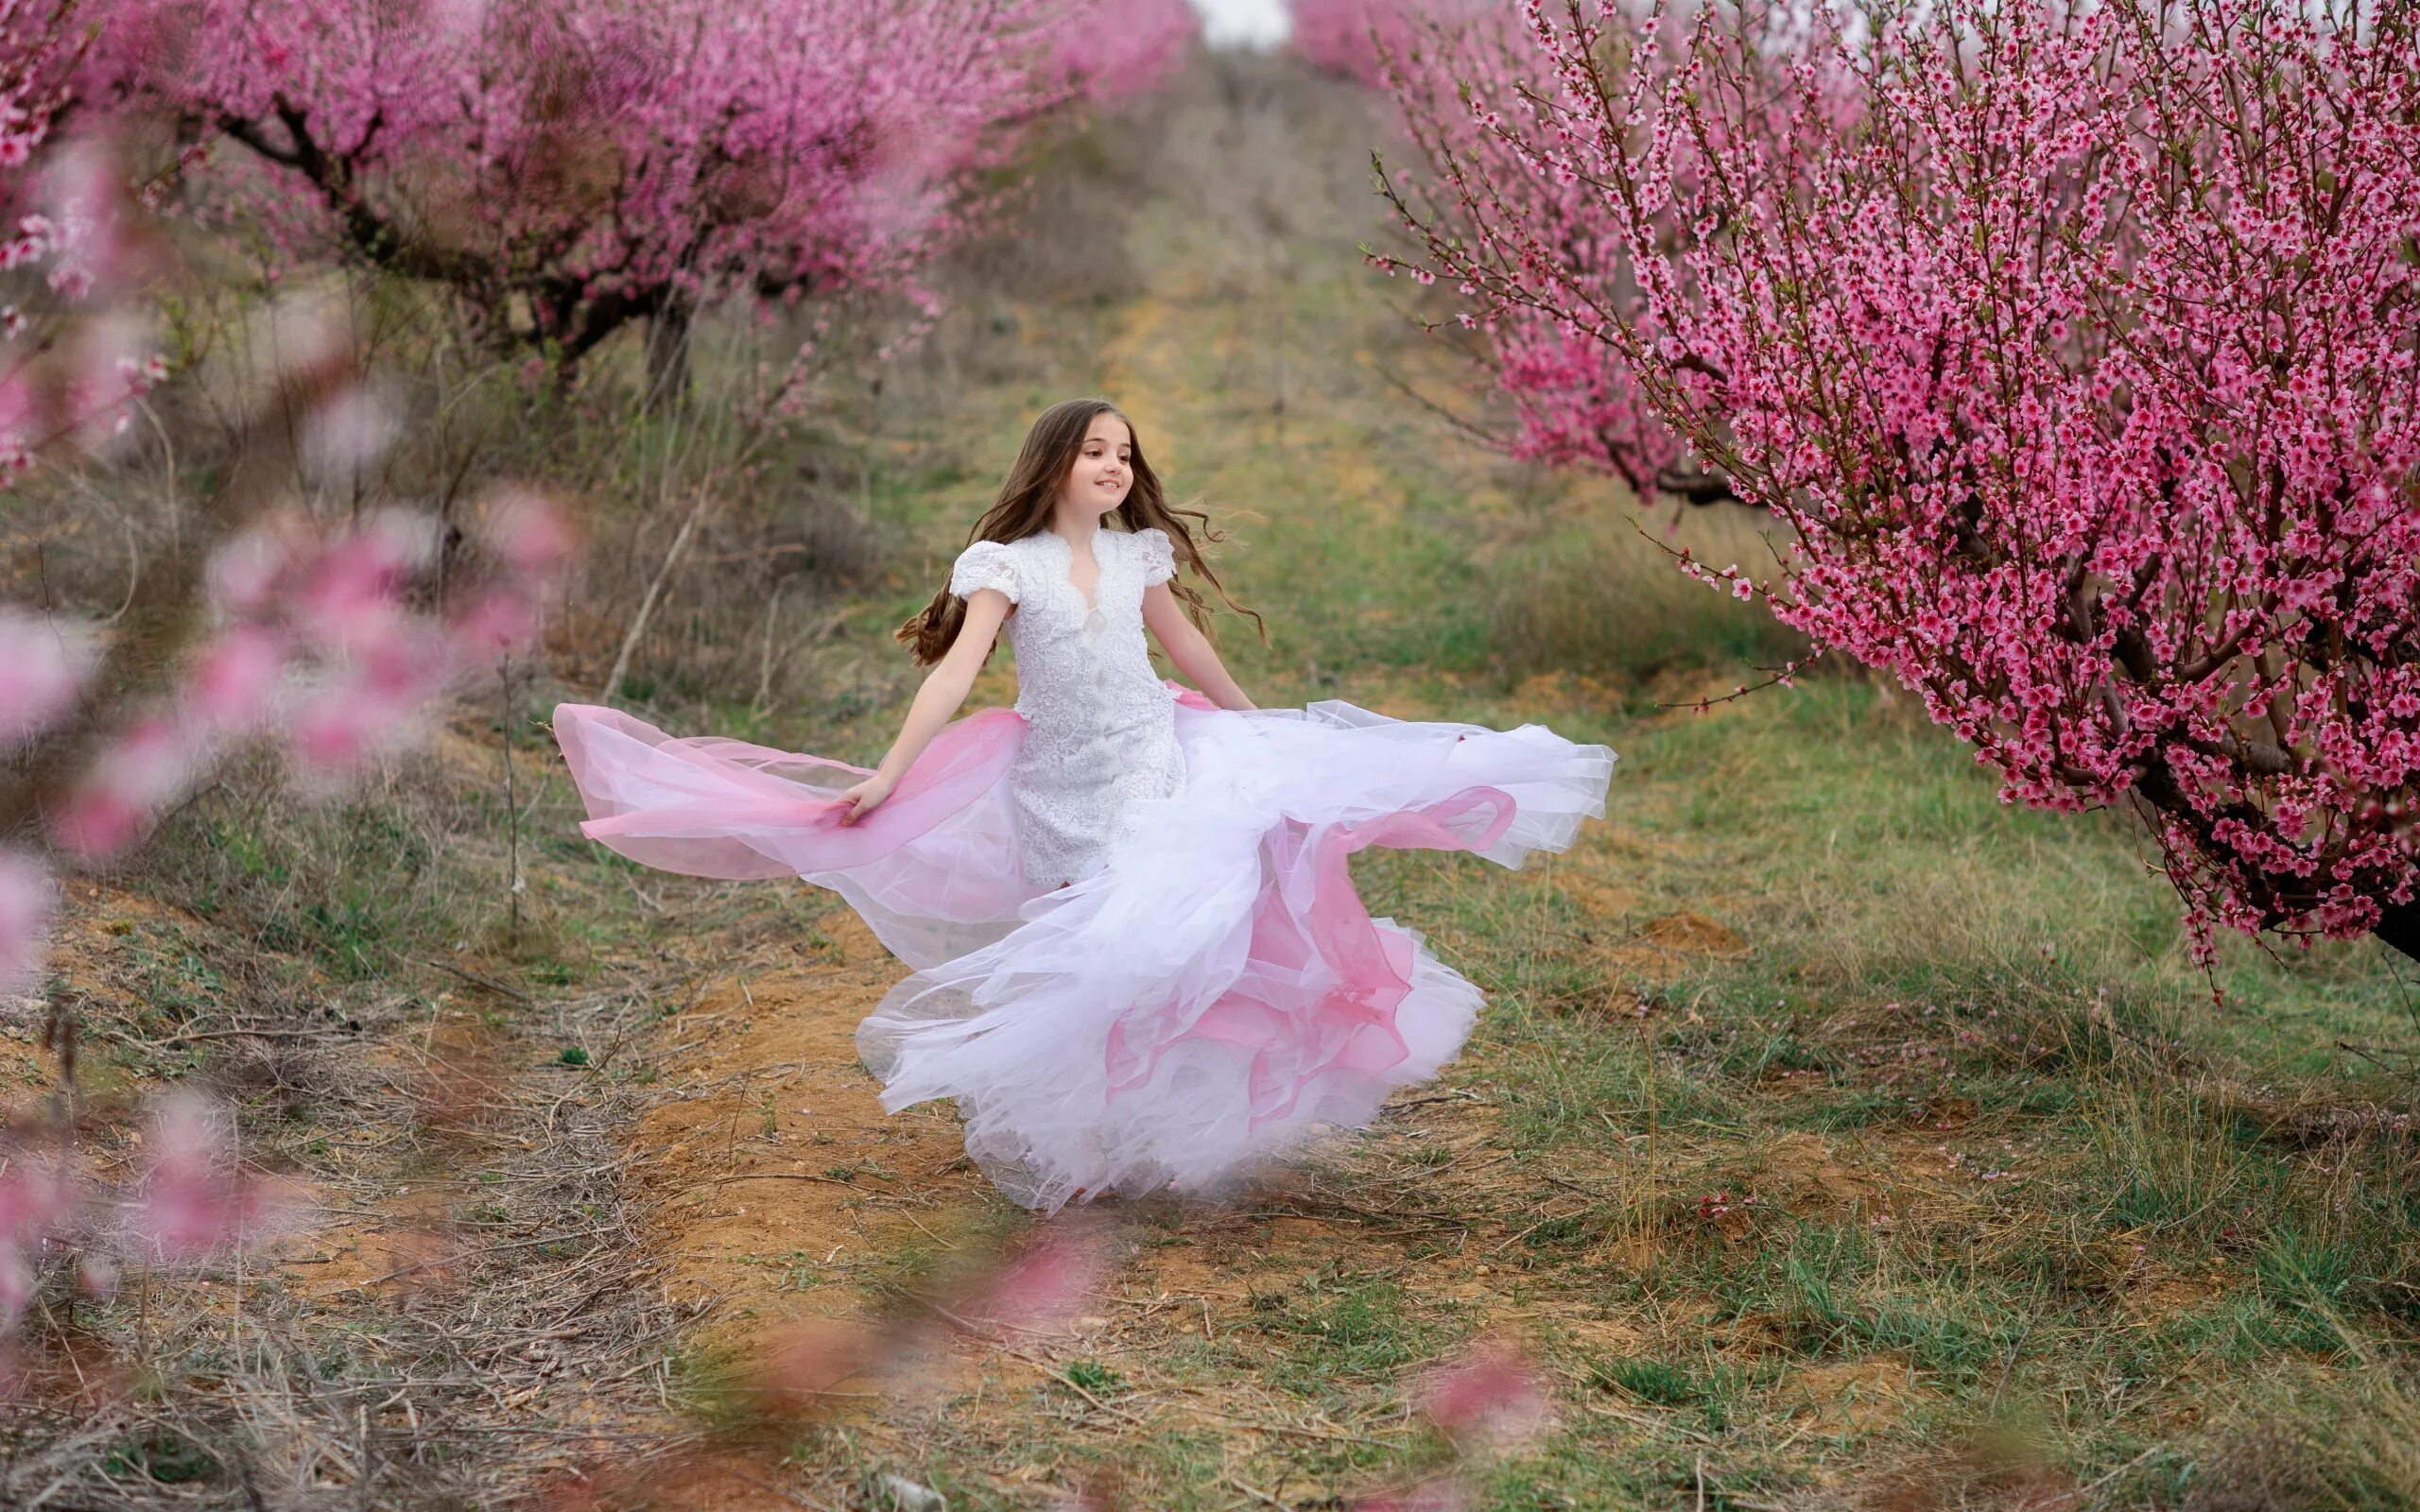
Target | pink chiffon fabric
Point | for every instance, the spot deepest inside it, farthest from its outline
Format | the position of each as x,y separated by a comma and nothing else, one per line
1210,993
932,869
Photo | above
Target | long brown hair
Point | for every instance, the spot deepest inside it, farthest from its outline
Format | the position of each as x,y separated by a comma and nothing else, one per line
1023,507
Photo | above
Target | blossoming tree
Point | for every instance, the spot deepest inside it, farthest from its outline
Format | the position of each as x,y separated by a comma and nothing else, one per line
571,165
2077,348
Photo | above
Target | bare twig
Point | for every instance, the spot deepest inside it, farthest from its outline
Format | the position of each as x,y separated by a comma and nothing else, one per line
478,980
654,589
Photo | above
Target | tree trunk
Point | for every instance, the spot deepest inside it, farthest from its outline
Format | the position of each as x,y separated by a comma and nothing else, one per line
667,355
2399,929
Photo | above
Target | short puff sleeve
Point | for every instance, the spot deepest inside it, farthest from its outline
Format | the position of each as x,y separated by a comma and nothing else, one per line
984,564
1159,558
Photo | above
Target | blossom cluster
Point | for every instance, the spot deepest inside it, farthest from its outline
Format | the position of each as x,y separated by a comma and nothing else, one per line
1359,39
189,1198
1455,69
314,645
1117,50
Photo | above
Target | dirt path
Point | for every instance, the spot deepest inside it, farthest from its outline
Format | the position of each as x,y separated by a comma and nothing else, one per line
784,1195
775,1169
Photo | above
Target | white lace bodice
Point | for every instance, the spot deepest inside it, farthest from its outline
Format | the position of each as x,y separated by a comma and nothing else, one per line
1100,725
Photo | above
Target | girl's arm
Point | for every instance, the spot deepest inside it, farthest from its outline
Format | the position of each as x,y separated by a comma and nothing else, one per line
1189,648
944,688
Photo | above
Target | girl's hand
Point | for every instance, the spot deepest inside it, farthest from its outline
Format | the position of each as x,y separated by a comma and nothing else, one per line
865,795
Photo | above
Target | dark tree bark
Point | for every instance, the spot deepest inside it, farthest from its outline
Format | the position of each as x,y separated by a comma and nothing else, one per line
667,353
2399,929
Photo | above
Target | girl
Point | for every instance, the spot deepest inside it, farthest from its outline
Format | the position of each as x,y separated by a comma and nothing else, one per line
1140,960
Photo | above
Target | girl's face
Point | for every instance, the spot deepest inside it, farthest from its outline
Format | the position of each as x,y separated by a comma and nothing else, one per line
1104,467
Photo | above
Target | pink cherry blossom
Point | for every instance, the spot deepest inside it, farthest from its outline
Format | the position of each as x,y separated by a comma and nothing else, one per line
282,601
1454,68
497,625
42,662
234,675
347,600
38,52
1349,38
531,532
101,244
1044,1288
193,1198
114,364
319,650
1490,1396
368,700
145,768
1117,49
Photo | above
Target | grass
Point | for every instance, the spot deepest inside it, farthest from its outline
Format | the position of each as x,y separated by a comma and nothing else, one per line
1836,1134
2069,1180
1591,595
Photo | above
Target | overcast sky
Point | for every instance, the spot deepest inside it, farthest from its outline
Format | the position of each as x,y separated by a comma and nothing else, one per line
1245,23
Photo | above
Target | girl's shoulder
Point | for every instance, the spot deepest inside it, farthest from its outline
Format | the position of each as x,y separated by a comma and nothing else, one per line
1151,547
988,564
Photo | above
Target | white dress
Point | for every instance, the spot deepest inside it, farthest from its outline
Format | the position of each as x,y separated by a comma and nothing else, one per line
1100,725
1208,988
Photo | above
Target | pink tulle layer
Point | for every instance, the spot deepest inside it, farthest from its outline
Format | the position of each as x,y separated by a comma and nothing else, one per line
1212,991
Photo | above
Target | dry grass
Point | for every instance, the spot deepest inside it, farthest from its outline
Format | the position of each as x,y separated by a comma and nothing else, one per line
464,1298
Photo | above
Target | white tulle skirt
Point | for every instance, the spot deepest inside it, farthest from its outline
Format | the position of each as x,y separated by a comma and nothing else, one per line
1210,993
